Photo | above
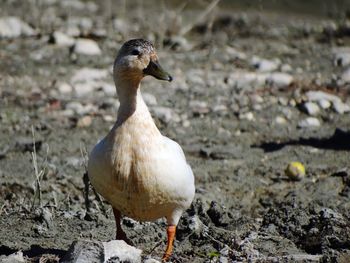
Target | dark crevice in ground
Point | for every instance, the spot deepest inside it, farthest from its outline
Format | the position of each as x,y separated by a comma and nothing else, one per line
339,141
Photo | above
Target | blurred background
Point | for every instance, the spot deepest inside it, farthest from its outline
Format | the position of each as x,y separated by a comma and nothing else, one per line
258,86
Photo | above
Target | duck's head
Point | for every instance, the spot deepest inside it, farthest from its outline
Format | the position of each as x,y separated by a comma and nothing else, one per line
136,59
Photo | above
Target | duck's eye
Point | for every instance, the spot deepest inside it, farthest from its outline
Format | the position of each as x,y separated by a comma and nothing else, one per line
135,52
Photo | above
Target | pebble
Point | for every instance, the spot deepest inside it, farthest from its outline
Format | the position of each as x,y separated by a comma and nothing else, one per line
247,116
12,27
280,120
199,107
286,68
84,89
112,251
310,122
149,99
164,114
62,40
108,89
235,54
108,118
324,104
341,107
311,108
346,76
14,258
81,109
280,79
341,56
320,95
89,74
87,47
64,88
264,65
85,121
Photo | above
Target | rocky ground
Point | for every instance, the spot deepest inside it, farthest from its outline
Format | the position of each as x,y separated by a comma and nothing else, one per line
253,91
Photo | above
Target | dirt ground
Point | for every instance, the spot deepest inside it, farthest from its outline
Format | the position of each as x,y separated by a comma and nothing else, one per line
239,124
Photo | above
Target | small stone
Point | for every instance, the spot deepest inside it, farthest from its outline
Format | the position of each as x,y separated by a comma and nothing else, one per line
85,121
87,47
346,76
64,88
199,107
89,74
149,99
280,120
280,79
151,260
108,118
108,89
118,249
62,40
341,56
14,258
311,108
324,104
12,27
264,65
320,95
246,116
83,89
341,107
286,68
310,122
163,113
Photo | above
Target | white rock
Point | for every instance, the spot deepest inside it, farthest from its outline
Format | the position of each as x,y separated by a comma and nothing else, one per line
89,74
346,76
62,40
150,99
310,122
119,249
14,258
280,120
320,95
247,116
108,89
64,88
151,260
85,121
244,79
264,65
311,108
199,107
341,107
280,79
87,47
164,114
12,27
83,89
80,109
235,53
341,56
324,104
286,68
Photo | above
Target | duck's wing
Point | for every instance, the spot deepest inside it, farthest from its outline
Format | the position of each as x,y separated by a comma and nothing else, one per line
175,147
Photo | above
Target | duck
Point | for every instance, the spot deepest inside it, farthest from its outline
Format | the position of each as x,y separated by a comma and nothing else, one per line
141,173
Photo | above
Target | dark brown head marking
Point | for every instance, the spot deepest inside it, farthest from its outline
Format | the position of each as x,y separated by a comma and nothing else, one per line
144,46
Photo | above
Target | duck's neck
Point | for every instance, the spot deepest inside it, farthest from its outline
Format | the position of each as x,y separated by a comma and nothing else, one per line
131,101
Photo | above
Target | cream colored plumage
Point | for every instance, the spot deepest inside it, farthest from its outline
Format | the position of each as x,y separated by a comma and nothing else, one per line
141,173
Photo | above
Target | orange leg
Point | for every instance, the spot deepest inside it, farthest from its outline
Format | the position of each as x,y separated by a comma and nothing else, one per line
169,248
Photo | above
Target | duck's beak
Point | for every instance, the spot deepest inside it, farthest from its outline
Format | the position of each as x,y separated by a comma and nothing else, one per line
154,69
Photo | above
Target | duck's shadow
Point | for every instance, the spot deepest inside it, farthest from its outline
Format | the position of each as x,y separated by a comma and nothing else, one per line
339,141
